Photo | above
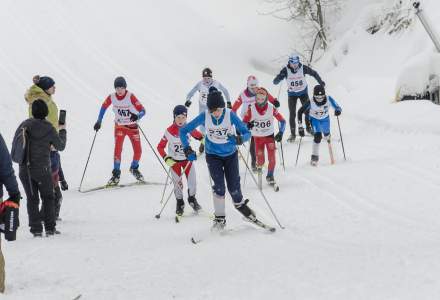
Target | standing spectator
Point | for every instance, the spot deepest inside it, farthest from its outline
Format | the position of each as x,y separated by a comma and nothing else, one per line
35,174
43,88
7,178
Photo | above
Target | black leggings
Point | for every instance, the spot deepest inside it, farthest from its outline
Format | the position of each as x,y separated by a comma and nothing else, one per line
292,110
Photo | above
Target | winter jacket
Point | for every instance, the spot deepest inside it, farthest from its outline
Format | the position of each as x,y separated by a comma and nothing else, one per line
307,71
42,135
34,93
7,176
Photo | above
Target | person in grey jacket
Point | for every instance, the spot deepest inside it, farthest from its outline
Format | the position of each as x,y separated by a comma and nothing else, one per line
35,175
7,178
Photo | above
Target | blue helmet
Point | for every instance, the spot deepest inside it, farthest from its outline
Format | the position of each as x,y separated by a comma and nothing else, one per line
294,59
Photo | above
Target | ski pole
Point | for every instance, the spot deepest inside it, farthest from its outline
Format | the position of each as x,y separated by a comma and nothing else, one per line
169,196
282,151
87,163
340,134
261,192
299,148
247,160
165,186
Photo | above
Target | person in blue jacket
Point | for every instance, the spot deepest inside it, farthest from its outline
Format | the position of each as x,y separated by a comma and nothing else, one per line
221,153
295,75
319,113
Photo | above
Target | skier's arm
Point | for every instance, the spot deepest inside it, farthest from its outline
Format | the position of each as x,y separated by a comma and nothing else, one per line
280,76
303,110
237,104
7,176
161,146
192,92
280,118
137,104
104,106
241,127
183,132
313,73
334,104
225,92
58,139
248,116
197,135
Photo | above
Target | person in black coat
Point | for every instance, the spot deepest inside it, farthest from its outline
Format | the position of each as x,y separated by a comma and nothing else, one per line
35,174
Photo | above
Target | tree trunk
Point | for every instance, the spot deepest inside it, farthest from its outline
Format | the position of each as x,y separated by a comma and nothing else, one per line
322,34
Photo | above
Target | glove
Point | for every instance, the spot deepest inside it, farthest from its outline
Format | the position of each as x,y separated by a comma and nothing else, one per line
279,137
190,154
202,146
276,103
229,105
236,139
301,131
97,126
250,125
169,161
188,103
338,112
64,185
134,117
9,217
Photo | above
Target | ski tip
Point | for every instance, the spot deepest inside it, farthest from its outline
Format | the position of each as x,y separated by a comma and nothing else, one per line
157,216
273,229
194,241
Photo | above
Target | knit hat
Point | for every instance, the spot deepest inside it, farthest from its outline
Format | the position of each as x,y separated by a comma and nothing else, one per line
215,99
120,82
207,72
180,110
44,82
39,109
319,90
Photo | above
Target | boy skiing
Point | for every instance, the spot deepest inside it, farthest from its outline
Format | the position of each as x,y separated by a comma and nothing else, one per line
176,160
247,98
221,154
128,111
295,75
203,87
261,115
318,110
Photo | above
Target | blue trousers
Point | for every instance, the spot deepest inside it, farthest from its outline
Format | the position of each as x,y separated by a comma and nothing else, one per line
221,168
321,126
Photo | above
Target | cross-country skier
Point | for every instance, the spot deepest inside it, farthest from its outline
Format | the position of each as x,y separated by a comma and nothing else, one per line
295,75
221,154
128,111
176,160
262,116
245,99
318,110
203,88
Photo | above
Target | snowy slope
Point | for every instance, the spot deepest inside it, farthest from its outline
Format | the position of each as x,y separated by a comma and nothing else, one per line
363,229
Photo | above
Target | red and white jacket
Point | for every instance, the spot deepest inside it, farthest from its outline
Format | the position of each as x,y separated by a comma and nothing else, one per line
263,119
172,139
246,99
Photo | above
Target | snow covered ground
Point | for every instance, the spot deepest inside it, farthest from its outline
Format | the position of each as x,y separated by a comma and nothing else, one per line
367,228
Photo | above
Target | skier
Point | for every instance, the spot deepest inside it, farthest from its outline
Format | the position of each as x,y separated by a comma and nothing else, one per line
297,87
176,160
318,110
261,115
128,111
246,98
203,88
221,154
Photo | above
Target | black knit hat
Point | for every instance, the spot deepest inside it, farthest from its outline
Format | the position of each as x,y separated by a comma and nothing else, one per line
44,82
215,99
39,109
207,72
120,82
319,90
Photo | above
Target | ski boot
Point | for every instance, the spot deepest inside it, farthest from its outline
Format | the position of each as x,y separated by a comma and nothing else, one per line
270,179
114,180
245,210
291,138
314,160
137,174
219,223
180,206
58,201
52,232
194,204
37,234
64,185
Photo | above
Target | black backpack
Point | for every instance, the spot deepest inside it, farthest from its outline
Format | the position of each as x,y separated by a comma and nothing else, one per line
20,146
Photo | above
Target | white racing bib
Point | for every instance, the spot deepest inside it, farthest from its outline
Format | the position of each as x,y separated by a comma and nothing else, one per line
319,112
218,134
175,147
123,109
296,82
263,124
246,101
